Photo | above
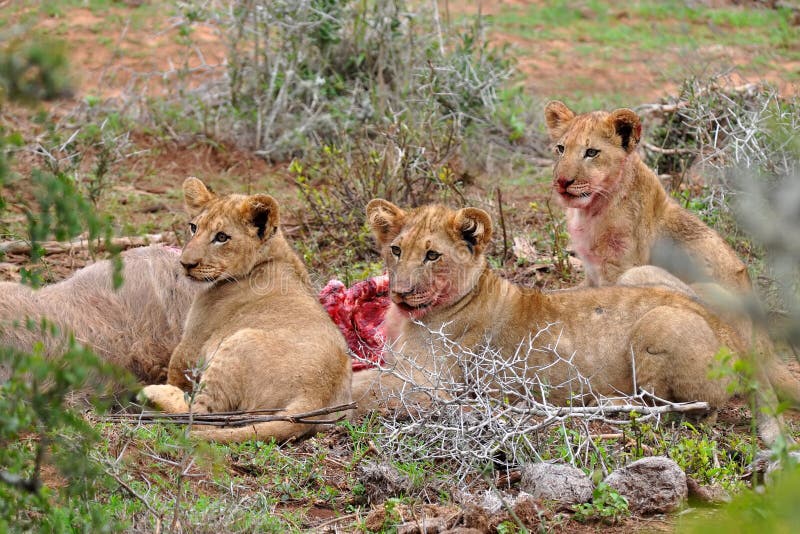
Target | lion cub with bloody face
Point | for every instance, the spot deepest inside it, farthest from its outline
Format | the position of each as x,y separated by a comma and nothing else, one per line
622,222
440,282
265,340
618,214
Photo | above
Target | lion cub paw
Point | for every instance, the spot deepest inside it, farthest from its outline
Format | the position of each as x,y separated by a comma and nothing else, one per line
165,397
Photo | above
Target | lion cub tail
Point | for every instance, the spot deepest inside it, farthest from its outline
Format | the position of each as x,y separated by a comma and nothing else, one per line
280,431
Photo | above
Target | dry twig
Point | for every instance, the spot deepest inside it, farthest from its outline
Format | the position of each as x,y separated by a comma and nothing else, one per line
228,419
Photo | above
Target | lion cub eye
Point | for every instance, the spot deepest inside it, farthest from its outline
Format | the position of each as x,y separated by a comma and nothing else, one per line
192,228
221,237
396,251
560,149
432,255
591,152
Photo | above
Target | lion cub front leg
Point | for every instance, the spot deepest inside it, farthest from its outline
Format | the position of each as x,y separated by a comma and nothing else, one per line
182,364
164,397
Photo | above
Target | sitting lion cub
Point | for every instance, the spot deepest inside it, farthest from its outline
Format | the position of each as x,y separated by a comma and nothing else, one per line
265,341
440,282
618,214
622,223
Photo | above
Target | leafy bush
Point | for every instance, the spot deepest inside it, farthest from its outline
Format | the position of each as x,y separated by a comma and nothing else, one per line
607,506
63,212
33,69
772,510
39,431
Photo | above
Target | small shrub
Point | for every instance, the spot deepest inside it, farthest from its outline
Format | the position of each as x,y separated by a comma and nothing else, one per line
336,183
607,506
33,69
313,70
719,126
40,429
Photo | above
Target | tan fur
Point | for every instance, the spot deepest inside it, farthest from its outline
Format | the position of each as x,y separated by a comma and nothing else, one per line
258,330
674,339
135,327
620,218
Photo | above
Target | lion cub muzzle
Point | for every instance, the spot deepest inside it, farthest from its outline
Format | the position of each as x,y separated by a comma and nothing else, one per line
189,260
192,262
569,189
413,299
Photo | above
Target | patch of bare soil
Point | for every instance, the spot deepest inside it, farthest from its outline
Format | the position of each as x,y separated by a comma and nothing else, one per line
114,53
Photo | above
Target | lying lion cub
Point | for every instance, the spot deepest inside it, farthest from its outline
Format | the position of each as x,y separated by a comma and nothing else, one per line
621,221
618,214
440,281
265,340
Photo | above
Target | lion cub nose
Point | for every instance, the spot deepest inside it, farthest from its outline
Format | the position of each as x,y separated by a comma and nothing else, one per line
403,291
189,266
565,182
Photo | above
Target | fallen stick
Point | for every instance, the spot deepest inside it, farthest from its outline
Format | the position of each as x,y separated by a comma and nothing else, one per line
589,411
80,244
228,419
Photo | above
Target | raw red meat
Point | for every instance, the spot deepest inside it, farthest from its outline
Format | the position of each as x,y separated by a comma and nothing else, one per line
358,311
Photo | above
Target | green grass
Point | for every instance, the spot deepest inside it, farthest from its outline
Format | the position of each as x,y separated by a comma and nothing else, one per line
269,488
650,26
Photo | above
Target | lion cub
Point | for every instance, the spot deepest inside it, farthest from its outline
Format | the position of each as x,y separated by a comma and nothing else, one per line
265,341
618,214
622,223
621,338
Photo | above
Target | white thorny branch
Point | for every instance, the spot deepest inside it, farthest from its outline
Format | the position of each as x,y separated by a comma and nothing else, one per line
478,407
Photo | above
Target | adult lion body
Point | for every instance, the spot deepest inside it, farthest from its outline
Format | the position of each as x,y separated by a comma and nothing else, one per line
621,221
439,277
265,341
135,326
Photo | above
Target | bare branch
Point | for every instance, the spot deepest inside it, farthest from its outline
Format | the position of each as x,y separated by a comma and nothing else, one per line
228,419
473,407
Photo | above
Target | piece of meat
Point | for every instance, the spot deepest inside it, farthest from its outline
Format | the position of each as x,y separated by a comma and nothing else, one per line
359,311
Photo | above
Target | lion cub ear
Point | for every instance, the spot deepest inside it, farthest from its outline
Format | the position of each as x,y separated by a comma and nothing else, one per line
385,219
474,226
262,212
627,126
196,195
558,118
